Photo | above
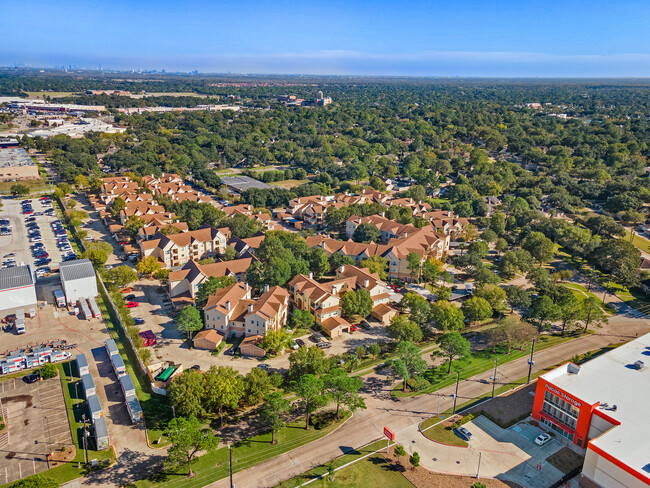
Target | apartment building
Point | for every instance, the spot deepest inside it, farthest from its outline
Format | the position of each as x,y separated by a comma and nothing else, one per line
233,311
183,284
175,250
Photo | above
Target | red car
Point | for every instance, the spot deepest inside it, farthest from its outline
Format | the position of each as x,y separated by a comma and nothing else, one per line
132,304
42,199
354,328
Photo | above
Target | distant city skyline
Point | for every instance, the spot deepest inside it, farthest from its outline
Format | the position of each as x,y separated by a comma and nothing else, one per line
509,38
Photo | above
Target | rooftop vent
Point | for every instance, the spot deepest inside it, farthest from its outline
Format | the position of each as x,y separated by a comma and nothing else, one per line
638,364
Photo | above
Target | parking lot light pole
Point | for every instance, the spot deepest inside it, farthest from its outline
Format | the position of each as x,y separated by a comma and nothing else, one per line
494,378
84,439
478,469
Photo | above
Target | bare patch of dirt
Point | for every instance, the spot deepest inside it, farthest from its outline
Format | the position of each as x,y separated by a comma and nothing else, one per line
60,457
423,478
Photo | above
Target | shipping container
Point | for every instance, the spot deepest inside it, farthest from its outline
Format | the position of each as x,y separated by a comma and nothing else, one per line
101,434
88,385
118,365
111,347
94,407
82,364
85,310
94,308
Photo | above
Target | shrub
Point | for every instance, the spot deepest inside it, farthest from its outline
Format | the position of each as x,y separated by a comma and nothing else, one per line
48,371
462,421
417,383
323,420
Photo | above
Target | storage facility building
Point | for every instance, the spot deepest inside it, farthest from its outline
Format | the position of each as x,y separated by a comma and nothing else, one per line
599,406
82,364
17,290
88,385
78,280
94,407
101,434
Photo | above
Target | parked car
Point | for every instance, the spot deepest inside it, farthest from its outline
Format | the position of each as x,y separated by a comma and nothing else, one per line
127,290
264,366
138,321
324,345
365,325
300,342
542,439
129,297
31,378
353,328
132,304
463,433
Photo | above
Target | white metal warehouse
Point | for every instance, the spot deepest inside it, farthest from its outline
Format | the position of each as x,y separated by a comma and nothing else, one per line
78,280
17,290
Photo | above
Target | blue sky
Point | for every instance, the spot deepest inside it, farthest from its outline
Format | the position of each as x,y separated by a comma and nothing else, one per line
421,38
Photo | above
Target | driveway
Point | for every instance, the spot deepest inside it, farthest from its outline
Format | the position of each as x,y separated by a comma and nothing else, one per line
506,454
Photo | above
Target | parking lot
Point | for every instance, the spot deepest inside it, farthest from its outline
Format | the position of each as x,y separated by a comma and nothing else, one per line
18,242
38,424
88,336
507,454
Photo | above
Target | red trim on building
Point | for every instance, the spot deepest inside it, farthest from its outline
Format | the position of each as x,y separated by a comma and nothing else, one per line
619,463
603,415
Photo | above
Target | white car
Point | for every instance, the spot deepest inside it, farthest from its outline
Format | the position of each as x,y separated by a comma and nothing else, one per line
542,439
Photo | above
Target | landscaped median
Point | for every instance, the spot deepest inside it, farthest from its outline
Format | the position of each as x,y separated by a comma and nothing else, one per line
441,430
245,454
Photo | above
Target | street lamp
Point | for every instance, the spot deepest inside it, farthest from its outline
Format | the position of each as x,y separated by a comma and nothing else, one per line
456,394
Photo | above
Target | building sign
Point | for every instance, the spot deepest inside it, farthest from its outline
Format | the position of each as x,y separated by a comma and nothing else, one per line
389,433
563,395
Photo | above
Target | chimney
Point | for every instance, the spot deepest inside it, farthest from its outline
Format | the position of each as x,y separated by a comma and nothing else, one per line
266,288
333,290
228,305
405,235
246,286
311,275
298,199
366,283
383,214
250,308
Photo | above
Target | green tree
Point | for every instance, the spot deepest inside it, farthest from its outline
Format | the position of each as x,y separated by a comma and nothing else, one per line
403,329
539,246
517,297
148,265
399,451
80,181
117,206
374,349
133,225
452,346
376,264
447,316
418,308
48,371
276,341
229,254
408,362
273,410
366,232
257,384
210,286
19,189
311,393
543,312
97,257
415,459
476,309
493,294
121,275
307,361
224,387
414,264
512,332
344,390
318,262
186,393
188,438
302,319
592,313
188,320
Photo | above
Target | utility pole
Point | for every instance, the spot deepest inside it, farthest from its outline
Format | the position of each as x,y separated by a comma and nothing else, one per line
494,377
456,394
478,469
83,417
230,466
531,362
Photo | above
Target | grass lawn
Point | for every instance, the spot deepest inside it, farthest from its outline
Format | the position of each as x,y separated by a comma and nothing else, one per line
289,183
640,242
374,470
51,94
581,292
439,432
213,467
34,185
478,362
